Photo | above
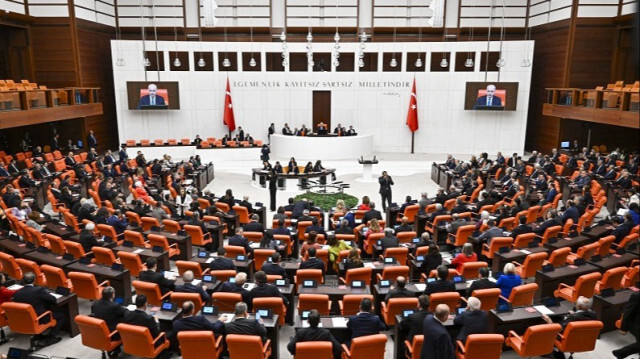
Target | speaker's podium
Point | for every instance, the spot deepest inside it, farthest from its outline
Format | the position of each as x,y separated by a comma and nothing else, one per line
367,169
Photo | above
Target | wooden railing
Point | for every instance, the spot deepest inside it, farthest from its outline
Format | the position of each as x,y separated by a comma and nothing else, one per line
615,107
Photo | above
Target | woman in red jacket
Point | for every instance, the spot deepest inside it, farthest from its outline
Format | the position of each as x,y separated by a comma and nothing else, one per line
467,255
5,294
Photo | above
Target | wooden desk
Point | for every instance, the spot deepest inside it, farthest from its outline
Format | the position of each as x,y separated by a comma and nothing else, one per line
16,248
609,309
183,241
61,231
335,293
574,243
145,253
520,319
119,280
68,305
435,172
419,222
613,261
51,259
597,232
242,266
518,255
391,213
548,282
339,330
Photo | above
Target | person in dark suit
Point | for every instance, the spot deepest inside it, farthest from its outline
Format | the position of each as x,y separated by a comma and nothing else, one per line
3,171
404,226
150,275
191,322
413,323
245,326
240,241
274,267
41,301
55,142
237,287
583,312
152,99
189,287
432,260
389,240
365,322
141,318
399,290
571,212
630,324
281,230
298,208
220,262
371,213
108,310
437,342
488,100
385,182
92,142
473,320
522,228
88,238
246,204
441,284
312,262
254,225
314,227
552,220
621,228
263,289
482,282
312,334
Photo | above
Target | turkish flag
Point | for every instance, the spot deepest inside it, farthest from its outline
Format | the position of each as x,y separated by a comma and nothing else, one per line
412,115
228,118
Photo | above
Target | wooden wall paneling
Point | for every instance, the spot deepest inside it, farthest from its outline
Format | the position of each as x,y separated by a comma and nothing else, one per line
54,58
592,56
346,62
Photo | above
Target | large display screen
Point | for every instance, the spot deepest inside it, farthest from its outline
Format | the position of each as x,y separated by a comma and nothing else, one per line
150,95
491,96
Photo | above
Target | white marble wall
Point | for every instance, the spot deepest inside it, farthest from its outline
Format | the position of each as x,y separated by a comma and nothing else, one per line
444,124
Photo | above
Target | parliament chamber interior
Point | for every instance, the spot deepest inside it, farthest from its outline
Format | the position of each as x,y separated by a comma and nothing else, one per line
349,179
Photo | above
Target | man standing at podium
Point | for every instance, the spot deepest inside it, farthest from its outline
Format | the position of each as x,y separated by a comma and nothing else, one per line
385,189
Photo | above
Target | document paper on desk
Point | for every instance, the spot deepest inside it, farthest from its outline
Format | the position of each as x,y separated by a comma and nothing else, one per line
543,309
305,324
420,286
369,265
339,322
56,295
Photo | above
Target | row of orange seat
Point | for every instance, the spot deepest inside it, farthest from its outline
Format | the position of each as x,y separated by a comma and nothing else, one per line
210,142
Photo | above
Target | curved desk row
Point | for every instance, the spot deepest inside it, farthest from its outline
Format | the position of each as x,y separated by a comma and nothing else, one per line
206,155
290,181
321,147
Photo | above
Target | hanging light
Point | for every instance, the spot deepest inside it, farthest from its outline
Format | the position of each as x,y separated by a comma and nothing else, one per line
252,62
201,62
444,62
525,63
336,63
146,62
361,63
468,63
309,36
176,62
283,36
500,62
285,63
418,62
226,62
393,62
363,36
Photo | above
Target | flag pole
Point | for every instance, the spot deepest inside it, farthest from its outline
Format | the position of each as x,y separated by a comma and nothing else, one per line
413,134
228,128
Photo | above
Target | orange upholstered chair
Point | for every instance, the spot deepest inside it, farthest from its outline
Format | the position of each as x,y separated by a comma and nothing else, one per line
579,336
395,307
522,295
171,226
532,263
399,253
179,298
320,302
551,232
96,335
226,302
195,267
462,235
631,277
393,272
350,303
132,262
10,266
197,237
470,269
75,249
413,349
248,346
223,275
27,266
86,286
308,274
104,256
243,214
156,240
22,319
489,250
585,252
366,347
363,274
611,279
152,291
488,297
480,346
451,299
314,350
538,340
585,286
137,340
194,343
55,277
523,240
558,258
275,304
260,256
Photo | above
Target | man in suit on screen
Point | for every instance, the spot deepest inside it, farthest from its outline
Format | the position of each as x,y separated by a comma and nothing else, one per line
490,99
151,99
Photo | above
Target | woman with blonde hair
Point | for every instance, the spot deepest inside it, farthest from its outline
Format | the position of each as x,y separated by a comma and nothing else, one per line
340,206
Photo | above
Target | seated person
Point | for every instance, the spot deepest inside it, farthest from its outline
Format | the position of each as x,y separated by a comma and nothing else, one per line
151,275
354,260
274,267
404,226
189,287
473,320
482,282
242,325
237,287
441,284
240,241
312,334
365,323
254,225
264,289
398,290
108,310
189,321
141,318
583,312
507,281
467,255
413,323
312,262
220,262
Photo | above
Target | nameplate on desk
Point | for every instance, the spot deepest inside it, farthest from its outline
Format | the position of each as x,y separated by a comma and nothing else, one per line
138,251
420,287
543,309
339,322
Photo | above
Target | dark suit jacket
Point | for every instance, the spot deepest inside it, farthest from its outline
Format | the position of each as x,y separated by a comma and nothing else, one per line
482,101
222,263
631,317
313,335
247,327
440,285
240,241
38,297
483,283
521,229
88,241
399,293
437,342
404,228
371,214
267,290
274,269
141,318
413,324
254,227
111,312
578,316
92,142
313,263
365,324
389,242
146,101
229,287
197,322
190,288
159,279
472,322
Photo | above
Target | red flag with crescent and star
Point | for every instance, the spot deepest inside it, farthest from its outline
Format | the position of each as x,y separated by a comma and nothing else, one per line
228,118
412,116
